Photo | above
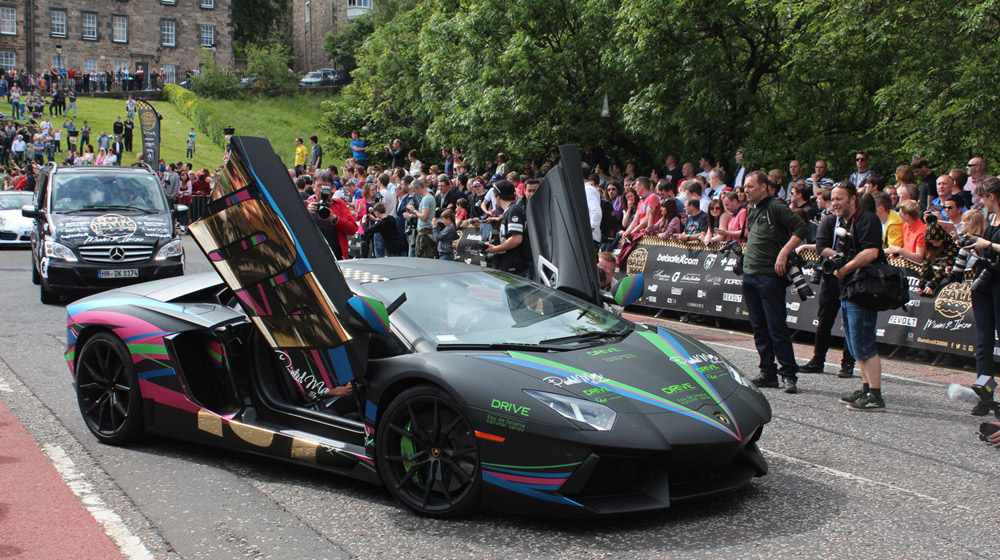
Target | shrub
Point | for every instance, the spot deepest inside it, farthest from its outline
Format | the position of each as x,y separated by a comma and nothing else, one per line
206,117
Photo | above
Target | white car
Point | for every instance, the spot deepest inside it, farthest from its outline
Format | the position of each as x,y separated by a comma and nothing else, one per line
15,229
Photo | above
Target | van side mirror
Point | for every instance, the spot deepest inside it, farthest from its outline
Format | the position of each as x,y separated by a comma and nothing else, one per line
29,211
180,210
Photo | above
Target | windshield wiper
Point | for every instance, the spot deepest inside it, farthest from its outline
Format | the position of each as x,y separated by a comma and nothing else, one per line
588,336
93,207
501,346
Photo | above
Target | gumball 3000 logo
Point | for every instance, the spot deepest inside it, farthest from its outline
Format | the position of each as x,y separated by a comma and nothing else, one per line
112,225
954,301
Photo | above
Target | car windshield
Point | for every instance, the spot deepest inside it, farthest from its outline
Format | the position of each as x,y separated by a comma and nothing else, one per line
314,75
494,308
73,192
14,201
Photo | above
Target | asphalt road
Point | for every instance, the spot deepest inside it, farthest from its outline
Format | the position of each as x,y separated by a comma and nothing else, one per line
913,482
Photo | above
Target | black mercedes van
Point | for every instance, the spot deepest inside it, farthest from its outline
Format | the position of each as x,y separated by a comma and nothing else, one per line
100,227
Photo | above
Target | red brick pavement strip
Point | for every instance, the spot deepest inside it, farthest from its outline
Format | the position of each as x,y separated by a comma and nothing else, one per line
919,372
40,517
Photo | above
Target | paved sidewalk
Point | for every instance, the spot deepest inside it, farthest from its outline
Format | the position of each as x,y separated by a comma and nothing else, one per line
40,517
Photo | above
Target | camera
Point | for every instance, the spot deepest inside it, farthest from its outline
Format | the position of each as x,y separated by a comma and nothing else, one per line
794,274
323,208
736,250
982,268
830,265
493,239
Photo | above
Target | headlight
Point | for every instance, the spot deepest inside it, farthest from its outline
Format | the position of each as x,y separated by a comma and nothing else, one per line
593,414
740,378
172,249
59,251
3,221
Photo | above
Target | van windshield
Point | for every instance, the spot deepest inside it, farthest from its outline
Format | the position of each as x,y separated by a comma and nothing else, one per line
141,193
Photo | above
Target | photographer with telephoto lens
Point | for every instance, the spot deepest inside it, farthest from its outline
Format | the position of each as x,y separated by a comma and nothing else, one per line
773,233
986,301
858,242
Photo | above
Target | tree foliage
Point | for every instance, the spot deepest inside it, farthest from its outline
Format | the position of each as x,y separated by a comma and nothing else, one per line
783,79
255,21
213,81
343,45
270,65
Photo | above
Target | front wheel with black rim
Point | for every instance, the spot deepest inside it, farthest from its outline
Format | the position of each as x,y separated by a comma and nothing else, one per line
428,454
107,390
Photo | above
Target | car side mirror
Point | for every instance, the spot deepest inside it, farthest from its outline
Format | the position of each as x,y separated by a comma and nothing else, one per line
29,211
628,290
180,210
370,314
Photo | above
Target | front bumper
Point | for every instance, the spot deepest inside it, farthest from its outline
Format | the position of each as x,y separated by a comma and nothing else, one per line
83,277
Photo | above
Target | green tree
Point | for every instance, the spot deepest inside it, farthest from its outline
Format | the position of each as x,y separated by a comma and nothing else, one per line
344,45
256,21
270,65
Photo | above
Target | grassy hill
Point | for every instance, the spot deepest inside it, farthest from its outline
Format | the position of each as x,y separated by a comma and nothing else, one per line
280,120
174,127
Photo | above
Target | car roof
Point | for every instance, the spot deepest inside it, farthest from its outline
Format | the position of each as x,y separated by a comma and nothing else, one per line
102,169
363,271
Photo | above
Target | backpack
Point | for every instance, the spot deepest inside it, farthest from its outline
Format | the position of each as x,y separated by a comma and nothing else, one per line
609,221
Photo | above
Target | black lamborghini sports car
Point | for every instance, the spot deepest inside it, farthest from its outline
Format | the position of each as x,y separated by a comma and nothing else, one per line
484,389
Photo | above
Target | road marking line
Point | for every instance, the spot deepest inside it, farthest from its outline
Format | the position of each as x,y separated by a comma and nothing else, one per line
4,387
853,477
109,521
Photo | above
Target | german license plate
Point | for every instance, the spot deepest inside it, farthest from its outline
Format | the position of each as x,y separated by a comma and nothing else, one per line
119,273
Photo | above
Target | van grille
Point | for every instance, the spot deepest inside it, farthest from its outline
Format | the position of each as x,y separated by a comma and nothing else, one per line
116,254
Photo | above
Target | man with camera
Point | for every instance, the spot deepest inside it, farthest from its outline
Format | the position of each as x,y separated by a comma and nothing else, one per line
331,214
513,253
858,243
773,233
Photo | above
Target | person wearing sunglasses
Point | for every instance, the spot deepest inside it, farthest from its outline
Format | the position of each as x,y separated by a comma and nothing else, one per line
860,177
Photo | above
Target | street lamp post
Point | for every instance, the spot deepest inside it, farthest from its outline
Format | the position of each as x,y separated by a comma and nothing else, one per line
59,62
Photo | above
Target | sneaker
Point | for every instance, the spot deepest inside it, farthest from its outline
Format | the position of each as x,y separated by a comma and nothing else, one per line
789,386
814,365
848,399
868,403
763,381
846,370
983,408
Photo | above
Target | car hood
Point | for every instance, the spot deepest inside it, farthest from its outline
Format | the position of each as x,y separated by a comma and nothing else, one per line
13,219
75,230
651,371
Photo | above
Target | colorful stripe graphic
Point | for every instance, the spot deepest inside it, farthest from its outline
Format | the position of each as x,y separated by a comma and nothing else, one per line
530,482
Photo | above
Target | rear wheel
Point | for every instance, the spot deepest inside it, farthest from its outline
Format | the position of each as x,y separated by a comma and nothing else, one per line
428,454
107,390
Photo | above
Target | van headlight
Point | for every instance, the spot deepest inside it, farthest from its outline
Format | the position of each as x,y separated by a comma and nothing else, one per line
593,414
55,250
170,250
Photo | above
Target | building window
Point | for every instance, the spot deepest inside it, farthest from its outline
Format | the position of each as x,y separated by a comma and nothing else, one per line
58,61
308,12
8,21
168,33
170,2
90,65
58,19
89,26
119,25
208,4
120,65
171,73
208,35
359,3
8,60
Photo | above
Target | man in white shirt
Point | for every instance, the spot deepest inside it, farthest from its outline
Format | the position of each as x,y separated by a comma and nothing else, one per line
594,208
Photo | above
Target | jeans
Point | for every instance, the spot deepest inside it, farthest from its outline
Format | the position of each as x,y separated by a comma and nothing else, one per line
446,256
859,330
764,298
829,305
986,310
379,244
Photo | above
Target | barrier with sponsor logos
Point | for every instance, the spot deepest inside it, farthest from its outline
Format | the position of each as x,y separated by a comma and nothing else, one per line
693,278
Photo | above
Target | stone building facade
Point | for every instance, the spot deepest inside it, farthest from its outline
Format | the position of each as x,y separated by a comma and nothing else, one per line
91,34
312,20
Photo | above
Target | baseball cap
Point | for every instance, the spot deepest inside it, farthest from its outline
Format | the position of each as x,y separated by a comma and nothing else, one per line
505,190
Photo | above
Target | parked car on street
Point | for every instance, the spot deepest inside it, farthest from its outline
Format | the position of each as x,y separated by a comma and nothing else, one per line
316,79
15,229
